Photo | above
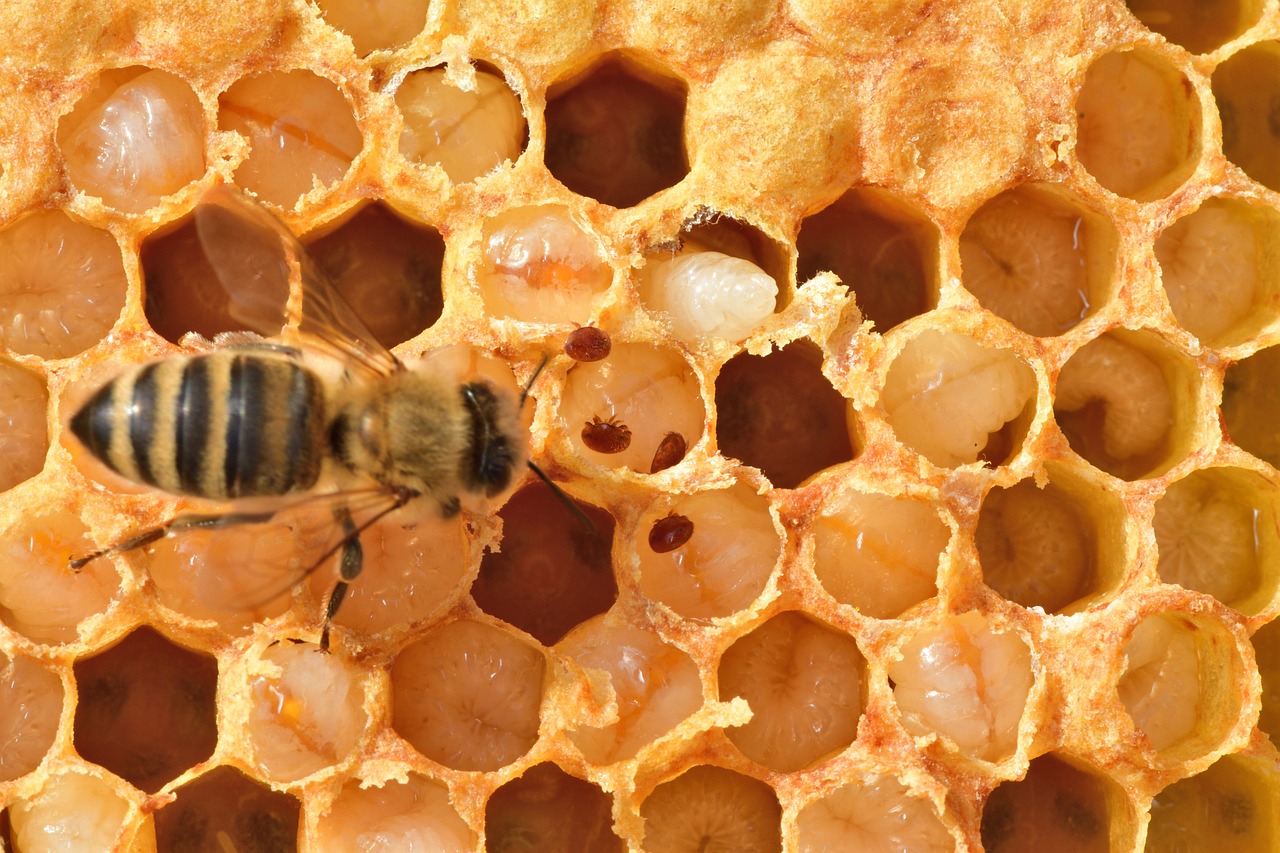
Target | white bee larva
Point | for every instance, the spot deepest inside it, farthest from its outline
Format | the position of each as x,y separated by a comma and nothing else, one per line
709,294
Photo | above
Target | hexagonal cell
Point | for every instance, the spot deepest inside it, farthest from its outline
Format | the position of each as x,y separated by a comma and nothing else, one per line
226,810
1056,806
1125,402
721,281
299,127
552,573
876,814
724,564
136,137
147,709
376,26
883,250
62,285
615,131
779,413
307,712
966,680
1266,649
1173,687
954,401
72,811
1219,269
650,390
1199,26
24,435
415,815
803,681
469,132
1037,258
469,696
388,270
711,808
1057,547
877,553
1246,86
547,809
40,596
1227,807
184,292
30,707
541,264
1139,124
1251,404
1216,529
656,686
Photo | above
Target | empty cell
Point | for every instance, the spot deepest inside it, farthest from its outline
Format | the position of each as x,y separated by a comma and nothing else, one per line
469,132
1213,528
553,571
616,134
300,130
225,810
40,596
24,434
1138,123
136,137
877,553
1037,546
878,815
803,681
878,247
780,414
377,25
547,809
415,816
650,390
1056,806
1251,404
387,269
62,285
147,709
1215,265
656,687
710,808
1114,404
1247,90
966,681
541,264
723,565
1266,649
1200,26
30,707
1160,687
307,711
73,812
954,401
1227,807
1034,258
469,696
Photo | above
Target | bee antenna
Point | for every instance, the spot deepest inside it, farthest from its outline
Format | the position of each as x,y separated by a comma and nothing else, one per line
564,498
524,395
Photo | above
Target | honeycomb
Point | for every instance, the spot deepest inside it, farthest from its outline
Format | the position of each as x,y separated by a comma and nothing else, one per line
925,495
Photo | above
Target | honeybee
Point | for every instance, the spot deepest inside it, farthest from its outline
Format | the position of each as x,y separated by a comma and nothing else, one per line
261,424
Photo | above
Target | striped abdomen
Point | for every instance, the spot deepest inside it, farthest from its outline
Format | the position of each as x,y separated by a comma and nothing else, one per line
222,425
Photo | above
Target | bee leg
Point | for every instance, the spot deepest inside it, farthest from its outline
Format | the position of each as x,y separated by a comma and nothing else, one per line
349,567
178,523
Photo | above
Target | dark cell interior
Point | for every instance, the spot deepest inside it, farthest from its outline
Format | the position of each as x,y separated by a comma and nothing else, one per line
781,415
1246,88
1251,404
548,810
1227,808
554,572
1198,25
146,709
1056,807
225,810
616,136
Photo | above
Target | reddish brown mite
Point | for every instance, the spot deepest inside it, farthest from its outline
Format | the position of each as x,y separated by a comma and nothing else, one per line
670,451
587,344
606,436
668,534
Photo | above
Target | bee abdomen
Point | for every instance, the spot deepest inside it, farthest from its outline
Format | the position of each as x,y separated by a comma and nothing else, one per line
224,425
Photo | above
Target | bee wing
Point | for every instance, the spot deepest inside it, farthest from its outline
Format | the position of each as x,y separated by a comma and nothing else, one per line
255,255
